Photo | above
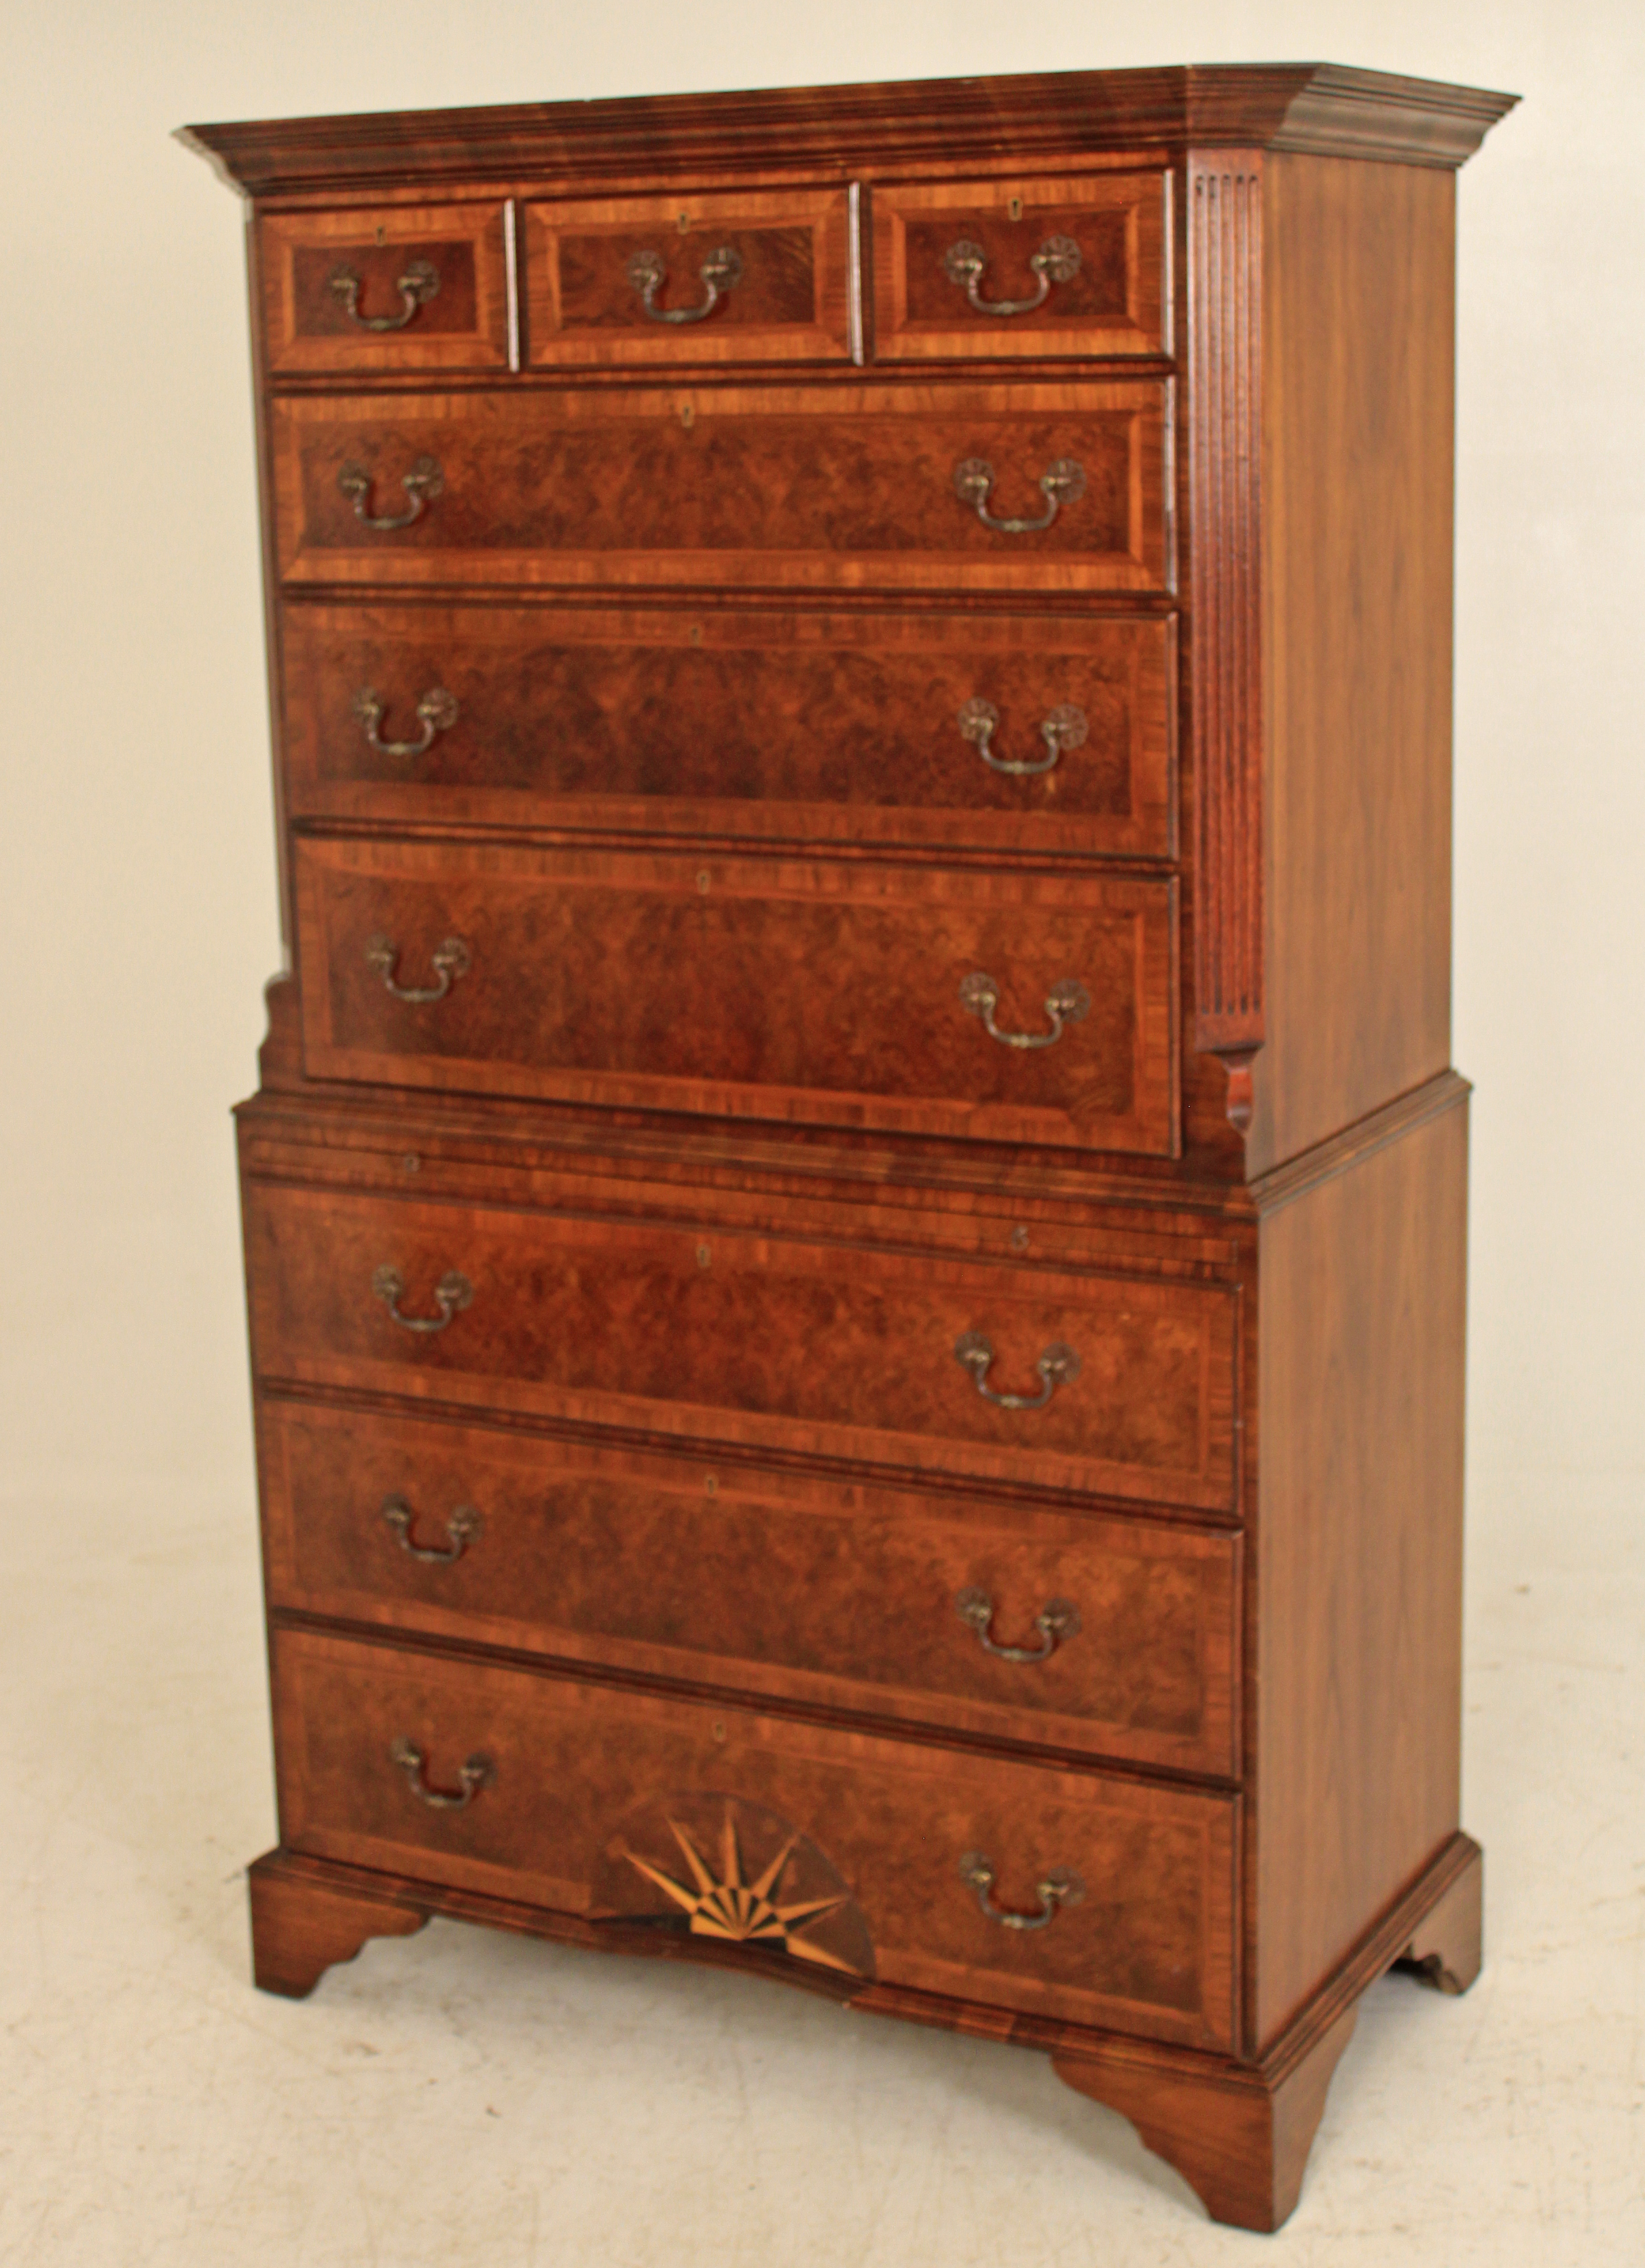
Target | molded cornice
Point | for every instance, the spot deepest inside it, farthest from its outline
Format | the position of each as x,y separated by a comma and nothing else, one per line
1321,108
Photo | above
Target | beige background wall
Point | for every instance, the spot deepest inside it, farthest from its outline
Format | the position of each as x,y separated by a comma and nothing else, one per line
136,859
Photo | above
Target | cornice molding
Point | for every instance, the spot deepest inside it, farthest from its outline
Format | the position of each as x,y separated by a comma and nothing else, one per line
1322,109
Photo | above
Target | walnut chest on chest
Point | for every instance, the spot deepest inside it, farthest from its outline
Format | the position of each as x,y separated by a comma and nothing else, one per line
855,1216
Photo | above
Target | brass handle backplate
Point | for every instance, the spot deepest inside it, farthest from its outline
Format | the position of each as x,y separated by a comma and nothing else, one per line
451,1294
1054,1890
418,282
424,480
1056,261
1059,1619
1062,483
1066,1003
478,1772
450,959
648,271
462,1527
1058,1366
436,712
979,720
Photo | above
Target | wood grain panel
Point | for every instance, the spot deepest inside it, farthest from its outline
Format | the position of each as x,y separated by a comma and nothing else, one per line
463,325
827,488
1356,570
790,302
1359,1553
1115,304
811,727
839,1595
810,1347
1149,1947
786,989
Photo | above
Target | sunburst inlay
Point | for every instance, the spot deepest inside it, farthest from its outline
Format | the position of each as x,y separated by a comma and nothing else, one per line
728,1905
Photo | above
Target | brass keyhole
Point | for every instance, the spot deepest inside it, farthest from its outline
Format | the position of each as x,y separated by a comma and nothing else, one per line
703,881
704,1256
1015,209
711,1485
687,416
1019,1240
685,223
411,1162
695,634
718,1730
382,233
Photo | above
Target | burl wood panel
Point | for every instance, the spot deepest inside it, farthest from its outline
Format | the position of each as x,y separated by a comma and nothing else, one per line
1358,1641
840,1594
811,1347
1358,350
306,326
825,487
785,990
1116,302
790,303
815,726
1149,1947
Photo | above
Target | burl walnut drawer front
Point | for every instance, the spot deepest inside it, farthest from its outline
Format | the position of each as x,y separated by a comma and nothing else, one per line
903,1861
909,999
762,276
1106,1385
997,732
1115,1638
1070,265
1003,487
390,287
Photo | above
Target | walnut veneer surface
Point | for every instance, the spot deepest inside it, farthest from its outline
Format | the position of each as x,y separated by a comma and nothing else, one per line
854,1218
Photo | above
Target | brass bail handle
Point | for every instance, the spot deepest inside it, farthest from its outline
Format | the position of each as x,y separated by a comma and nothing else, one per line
1057,1889
416,283
648,272
1058,1366
1061,483
1056,261
437,713
424,481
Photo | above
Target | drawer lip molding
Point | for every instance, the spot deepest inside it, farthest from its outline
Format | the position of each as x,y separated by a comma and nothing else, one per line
581,1776
1115,302
456,315
790,298
844,1353
803,991
625,1559
824,726
691,486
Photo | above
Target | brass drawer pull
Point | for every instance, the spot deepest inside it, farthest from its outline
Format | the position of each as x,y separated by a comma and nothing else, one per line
461,1529
452,1293
1056,261
1059,1619
648,271
1058,1888
1064,728
1058,1366
973,479
424,480
450,959
1066,1003
436,712
478,1772
418,282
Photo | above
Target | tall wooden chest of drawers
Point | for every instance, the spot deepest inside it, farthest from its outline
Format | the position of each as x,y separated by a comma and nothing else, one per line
854,1218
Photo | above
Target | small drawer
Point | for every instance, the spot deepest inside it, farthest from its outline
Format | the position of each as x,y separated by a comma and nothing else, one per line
1047,487
388,287
1118,1385
993,732
1065,265
767,276
981,1007
1096,1636
863,1857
